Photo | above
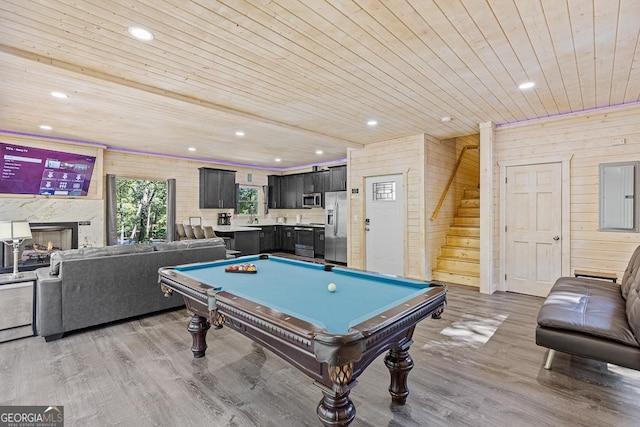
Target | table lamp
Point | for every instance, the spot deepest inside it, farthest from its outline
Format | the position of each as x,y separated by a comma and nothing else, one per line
14,233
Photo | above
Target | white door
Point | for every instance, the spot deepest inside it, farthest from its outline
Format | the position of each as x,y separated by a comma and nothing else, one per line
533,228
384,224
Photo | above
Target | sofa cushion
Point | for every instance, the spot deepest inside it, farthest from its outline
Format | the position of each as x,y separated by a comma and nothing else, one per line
590,306
172,246
59,256
93,252
631,276
188,244
633,310
202,243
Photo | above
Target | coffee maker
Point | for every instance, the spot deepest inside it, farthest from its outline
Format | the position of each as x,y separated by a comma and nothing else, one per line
224,219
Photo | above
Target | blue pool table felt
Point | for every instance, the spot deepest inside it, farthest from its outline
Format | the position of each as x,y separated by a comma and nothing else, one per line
299,289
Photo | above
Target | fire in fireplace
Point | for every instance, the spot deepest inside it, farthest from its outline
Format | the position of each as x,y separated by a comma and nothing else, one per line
47,237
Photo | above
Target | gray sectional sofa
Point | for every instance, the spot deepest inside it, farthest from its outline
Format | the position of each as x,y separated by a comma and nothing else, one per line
594,318
92,286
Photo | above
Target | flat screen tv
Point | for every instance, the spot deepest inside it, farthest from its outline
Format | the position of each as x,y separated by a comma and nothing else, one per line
28,170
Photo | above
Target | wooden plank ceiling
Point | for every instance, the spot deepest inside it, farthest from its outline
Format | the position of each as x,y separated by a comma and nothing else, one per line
300,76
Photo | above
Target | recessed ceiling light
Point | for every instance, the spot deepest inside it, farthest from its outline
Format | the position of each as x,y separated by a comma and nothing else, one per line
191,149
526,85
239,133
318,151
141,33
45,127
278,160
372,122
60,95
445,119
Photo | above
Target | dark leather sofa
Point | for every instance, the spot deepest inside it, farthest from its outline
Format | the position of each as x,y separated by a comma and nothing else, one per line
594,318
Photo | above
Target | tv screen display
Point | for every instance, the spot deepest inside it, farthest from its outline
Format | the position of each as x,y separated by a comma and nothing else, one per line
28,170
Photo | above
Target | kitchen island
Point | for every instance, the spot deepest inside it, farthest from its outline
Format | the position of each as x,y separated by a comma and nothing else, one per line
241,238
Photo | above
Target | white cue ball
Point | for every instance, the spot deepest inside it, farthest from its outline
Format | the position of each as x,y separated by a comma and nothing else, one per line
331,287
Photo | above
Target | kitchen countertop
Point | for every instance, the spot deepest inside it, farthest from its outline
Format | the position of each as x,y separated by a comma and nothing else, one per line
236,228
314,225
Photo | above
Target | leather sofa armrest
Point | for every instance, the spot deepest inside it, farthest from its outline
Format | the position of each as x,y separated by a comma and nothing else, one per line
48,304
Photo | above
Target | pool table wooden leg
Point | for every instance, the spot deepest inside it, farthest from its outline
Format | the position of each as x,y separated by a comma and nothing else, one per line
198,327
336,409
399,364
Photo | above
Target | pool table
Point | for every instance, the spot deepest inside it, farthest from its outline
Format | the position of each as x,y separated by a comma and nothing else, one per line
286,306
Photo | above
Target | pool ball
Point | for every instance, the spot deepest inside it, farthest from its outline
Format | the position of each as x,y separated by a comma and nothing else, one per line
331,287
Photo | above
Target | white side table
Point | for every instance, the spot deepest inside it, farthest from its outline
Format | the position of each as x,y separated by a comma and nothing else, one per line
17,297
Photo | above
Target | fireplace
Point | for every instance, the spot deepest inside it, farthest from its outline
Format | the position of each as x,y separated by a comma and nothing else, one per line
47,237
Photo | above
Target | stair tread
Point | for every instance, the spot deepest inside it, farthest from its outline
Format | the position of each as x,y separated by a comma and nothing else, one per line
470,274
449,258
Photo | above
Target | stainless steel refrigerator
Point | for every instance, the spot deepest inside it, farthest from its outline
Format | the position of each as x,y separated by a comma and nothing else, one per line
335,226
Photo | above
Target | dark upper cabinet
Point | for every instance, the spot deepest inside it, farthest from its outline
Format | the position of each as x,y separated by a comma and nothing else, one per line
307,183
291,191
318,181
275,187
314,182
217,188
337,178
285,192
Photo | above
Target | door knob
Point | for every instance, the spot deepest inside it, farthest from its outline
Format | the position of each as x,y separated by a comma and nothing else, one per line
366,229
556,238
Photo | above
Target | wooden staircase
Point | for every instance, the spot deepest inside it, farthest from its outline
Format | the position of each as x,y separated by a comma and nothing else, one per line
459,260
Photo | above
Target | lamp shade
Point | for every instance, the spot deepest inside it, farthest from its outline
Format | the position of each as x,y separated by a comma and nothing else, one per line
14,230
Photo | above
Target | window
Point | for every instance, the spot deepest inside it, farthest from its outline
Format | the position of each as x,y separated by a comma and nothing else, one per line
247,200
619,188
384,191
141,210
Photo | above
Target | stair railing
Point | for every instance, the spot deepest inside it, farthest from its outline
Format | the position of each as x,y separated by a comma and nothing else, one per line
453,175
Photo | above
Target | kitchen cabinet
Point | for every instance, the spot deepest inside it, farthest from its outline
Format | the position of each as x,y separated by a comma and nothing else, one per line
267,238
275,184
247,242
291,191
318,241
337,178
307,183
217,188
288,238
313,182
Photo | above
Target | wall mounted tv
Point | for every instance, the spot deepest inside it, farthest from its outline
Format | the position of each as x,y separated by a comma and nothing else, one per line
28,170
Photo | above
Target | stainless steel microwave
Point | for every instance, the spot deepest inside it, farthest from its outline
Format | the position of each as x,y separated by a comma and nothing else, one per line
312,200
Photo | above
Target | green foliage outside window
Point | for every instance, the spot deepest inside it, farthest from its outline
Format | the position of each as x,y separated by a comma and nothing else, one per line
142,210
248,201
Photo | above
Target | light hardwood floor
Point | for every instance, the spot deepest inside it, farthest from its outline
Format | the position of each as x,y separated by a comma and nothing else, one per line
477,366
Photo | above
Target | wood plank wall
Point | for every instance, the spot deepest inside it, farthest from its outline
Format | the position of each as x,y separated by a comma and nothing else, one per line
587,137
399,156
441,161
428,164
186,174
468,176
